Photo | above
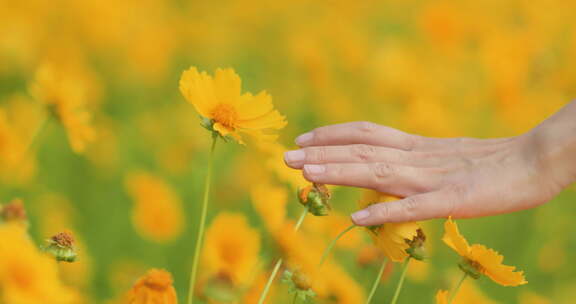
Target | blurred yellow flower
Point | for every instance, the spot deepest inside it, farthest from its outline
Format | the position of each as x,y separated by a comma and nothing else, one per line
26,275
157,213
230,112
391,238
483,260
153,288
65,97
442,297
270,203
231,250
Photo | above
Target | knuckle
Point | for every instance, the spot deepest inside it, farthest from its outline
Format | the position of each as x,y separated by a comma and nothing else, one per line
383,170
316,154
459,194
410,207
380,211
366,127
363,152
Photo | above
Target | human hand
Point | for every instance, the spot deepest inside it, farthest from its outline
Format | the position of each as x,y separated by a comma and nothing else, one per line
459,177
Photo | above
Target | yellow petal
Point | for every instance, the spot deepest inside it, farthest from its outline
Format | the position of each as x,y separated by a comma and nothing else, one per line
442,297
454,239
252,107
391,238
198,89
491,263
227,86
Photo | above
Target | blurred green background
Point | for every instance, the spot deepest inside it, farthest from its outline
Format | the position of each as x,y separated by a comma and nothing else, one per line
436,68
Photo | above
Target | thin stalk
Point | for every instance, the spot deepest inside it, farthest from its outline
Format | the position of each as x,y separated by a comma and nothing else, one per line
332,243
200,236
401,282
455,291
377,281
33,139
279,262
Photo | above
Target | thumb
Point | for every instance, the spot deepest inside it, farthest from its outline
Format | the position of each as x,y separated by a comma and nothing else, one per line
437,204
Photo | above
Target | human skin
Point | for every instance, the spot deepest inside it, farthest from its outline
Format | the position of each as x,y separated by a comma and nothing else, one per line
441,177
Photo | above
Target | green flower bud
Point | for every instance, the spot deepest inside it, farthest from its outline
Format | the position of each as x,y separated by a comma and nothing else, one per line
471,268
61,246
417,250
316,198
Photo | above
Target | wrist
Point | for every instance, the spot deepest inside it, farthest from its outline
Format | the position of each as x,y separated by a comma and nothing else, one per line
555,142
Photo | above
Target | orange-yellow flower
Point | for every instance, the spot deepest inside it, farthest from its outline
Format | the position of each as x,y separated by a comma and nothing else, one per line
26,275
66,98
231,250
481,259
391,238
153,288
230,112
157,213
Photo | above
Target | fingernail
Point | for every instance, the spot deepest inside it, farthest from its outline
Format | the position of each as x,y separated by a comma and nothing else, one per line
294,156
304,139
358,216
314,169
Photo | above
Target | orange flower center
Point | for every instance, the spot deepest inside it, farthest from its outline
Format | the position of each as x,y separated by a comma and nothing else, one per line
226,115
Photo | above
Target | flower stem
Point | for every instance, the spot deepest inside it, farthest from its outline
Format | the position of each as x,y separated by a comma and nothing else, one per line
279,262
200,235
377,281
332,243
401,282
455,291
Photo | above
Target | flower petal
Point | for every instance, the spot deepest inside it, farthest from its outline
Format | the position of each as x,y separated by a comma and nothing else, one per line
454,239
442,297
198,89
491,263
227,86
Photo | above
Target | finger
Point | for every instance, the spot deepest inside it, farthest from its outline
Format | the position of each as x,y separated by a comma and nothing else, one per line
437,204
384,177
357,133
350,154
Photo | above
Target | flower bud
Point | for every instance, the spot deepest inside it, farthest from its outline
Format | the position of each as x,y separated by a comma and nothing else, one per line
61,246
416,249
299,284
13,212
316,198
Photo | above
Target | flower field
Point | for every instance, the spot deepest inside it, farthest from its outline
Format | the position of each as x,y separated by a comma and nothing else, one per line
142,145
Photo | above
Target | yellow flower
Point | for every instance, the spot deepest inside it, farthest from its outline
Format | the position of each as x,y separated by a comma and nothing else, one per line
26,275
65,97
391,238
442,297
231,250
230,112
481,259
154,288
157,213
270,203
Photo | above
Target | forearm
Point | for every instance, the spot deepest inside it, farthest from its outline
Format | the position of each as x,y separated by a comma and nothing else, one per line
556,140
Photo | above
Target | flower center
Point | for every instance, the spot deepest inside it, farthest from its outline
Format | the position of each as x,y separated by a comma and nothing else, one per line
226,115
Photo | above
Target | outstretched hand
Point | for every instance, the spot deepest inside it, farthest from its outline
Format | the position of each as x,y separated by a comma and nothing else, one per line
459,177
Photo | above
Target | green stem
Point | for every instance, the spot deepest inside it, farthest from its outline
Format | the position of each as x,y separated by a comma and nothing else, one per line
332,243
279,262
377,281
200,236
401,282
455,291
295,299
